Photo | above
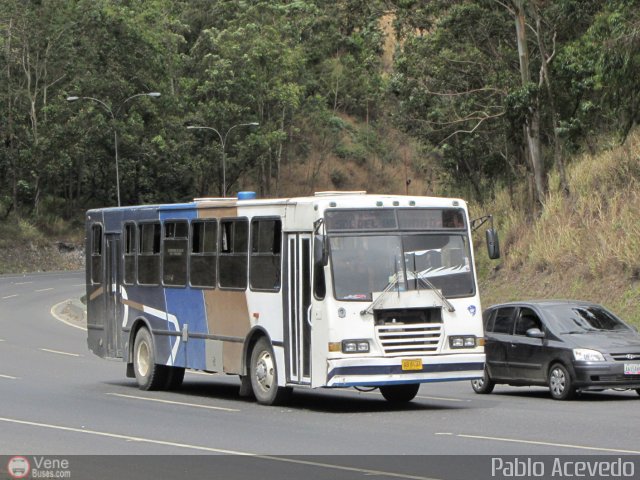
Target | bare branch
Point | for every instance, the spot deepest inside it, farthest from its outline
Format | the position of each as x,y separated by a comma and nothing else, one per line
507,7
473,129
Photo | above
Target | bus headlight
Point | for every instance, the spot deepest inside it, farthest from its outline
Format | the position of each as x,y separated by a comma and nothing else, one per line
355,346
462,341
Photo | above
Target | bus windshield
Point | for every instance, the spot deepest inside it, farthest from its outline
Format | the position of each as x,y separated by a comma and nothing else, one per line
362,265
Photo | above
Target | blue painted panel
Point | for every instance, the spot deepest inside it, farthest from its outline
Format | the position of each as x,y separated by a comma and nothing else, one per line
187,304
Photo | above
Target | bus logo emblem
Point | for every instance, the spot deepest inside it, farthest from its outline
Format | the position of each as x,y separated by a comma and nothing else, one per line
472,310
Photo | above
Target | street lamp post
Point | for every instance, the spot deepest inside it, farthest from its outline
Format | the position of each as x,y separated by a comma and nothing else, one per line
223,143
113,119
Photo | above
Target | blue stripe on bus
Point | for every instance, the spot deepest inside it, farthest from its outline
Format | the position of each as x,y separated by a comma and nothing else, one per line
397,369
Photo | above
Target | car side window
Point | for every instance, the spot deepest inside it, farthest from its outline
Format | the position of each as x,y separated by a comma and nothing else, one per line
526,320
504,320
487,320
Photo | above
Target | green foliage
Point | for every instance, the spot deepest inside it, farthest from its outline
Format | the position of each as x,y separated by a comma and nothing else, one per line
308,71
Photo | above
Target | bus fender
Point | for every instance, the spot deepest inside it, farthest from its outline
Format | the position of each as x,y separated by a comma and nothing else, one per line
137,325
252,337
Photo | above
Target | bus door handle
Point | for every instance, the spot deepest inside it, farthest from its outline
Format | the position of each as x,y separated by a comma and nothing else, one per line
309,316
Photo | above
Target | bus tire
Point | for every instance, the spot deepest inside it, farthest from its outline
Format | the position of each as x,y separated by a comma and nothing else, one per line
149,375
175,376
264,375
400,393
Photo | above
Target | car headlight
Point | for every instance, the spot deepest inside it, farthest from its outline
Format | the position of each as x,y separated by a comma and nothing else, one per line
586,355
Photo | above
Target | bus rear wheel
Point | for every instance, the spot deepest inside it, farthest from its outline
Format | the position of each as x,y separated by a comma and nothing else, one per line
400,393
264,375
149,375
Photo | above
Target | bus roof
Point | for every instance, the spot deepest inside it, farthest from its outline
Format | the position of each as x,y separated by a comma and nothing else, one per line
323,200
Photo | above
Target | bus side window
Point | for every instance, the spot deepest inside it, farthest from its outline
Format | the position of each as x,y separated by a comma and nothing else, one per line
129,253
96,254
265,267
174,253
232,261
204,249
149,257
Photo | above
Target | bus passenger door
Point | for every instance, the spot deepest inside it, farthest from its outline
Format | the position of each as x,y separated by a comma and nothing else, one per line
113,310
298,303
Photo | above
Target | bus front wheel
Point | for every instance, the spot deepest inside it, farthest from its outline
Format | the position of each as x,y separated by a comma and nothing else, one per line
264,375
400,393
149,375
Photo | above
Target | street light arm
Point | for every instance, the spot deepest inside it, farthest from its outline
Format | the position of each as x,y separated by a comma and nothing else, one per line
250,124
222,140
106,107
148,94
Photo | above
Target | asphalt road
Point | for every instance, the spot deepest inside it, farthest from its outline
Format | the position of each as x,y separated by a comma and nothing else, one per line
57,398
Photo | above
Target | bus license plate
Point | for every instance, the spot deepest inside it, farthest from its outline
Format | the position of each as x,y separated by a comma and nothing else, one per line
632,368
412,364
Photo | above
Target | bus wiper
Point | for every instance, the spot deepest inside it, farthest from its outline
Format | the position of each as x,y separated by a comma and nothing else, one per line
390,286
427,282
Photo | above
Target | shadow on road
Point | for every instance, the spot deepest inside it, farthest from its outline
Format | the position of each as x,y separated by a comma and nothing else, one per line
321,400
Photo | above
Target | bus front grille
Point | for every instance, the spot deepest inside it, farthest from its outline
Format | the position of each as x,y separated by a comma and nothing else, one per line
414,339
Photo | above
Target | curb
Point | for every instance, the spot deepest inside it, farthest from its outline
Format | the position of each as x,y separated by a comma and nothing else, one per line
71,312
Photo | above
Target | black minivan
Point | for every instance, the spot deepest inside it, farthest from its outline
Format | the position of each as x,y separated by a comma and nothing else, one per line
569,346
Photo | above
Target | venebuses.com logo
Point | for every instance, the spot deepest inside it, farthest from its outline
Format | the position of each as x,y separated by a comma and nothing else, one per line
18,467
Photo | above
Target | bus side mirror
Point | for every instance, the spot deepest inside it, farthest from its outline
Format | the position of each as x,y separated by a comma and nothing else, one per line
493,245
320,257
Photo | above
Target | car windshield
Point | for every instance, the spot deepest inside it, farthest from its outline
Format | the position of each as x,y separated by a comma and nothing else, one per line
362,265
585,318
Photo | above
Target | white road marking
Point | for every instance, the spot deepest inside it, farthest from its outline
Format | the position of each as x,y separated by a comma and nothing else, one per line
9,296
9,377
1,339
443,433
550,444
59,318
61,353
171,402
22,283
129,438
43,290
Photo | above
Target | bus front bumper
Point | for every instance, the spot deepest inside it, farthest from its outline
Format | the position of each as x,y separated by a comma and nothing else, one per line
376,371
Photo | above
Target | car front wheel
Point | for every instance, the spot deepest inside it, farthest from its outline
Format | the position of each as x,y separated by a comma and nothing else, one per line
483,385
560,383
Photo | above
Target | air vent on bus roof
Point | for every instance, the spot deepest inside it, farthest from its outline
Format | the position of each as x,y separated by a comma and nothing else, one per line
326,194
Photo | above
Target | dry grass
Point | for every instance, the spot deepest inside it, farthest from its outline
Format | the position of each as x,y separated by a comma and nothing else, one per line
583,246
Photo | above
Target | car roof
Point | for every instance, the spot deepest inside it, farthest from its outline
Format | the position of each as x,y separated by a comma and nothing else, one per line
542,303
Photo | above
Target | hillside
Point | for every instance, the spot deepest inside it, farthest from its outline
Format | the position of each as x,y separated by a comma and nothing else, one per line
584,246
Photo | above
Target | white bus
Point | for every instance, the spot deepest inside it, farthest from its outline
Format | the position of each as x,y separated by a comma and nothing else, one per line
340,289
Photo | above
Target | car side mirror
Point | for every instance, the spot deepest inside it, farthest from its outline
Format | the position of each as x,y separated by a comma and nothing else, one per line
535,333
320,257
493,245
